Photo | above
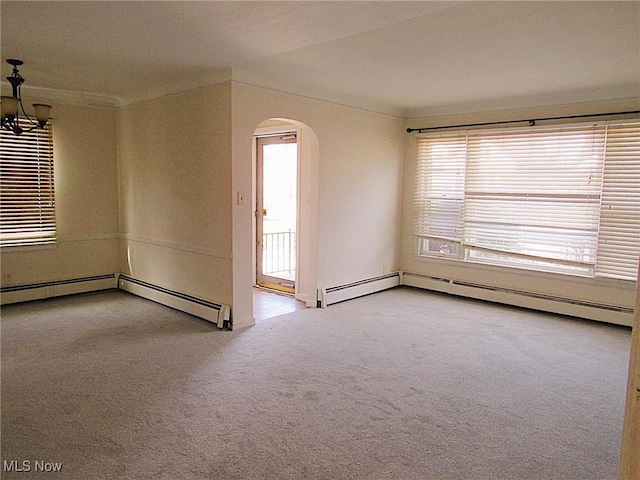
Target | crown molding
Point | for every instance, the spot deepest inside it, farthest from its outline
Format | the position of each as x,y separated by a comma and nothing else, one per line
115,101
66,96
625,94
177,88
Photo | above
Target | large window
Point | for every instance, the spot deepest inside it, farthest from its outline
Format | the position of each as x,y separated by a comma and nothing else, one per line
27,209
562,198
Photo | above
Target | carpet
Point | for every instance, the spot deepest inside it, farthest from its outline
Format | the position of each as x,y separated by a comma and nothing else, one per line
403,384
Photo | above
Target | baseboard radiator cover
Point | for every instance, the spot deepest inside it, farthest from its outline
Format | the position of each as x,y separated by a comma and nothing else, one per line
57,288
217,313
548,303
341,293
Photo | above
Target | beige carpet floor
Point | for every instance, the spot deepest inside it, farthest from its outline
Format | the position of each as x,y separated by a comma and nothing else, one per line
403,384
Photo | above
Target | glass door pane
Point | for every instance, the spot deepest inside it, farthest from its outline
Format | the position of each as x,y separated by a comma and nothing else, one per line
277,212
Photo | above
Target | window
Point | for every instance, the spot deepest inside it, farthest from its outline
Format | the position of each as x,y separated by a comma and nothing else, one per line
27,209
562,198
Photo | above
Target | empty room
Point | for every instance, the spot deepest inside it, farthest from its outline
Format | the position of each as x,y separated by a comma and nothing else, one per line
300,239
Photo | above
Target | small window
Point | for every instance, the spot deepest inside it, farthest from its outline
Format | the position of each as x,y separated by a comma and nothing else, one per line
27,206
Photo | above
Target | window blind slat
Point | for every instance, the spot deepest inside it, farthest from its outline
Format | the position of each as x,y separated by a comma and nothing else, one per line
27,204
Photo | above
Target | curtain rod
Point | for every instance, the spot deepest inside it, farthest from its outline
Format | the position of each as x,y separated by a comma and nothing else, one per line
531,121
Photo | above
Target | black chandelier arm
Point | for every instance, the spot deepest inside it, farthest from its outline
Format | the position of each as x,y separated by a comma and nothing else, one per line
35,124
13,125
11,117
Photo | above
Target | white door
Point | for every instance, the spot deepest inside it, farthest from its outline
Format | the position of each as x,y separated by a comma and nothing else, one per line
276,213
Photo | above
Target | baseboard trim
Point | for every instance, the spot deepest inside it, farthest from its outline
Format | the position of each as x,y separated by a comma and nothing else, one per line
615,314
217,313
348,291
42,290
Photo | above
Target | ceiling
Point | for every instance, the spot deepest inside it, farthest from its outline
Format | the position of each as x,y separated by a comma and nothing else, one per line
407,59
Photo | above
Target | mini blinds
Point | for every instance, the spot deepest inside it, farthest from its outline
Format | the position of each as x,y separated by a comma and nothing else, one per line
619,240
562,198
27,208
440,190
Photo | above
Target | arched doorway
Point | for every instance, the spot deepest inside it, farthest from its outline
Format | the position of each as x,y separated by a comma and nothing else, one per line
276,210
285,164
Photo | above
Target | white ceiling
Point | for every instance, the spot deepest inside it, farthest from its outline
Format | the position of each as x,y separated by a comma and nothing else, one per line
402,58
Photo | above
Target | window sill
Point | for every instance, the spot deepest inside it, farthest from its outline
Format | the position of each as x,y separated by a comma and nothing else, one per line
28,248
521,271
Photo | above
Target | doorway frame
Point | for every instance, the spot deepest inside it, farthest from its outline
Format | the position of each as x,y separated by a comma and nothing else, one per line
283,127
271,281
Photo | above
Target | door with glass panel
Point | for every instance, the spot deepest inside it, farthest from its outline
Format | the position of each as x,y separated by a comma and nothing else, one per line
276,212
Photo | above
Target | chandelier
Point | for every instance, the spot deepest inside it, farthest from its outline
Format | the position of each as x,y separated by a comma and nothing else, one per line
11,106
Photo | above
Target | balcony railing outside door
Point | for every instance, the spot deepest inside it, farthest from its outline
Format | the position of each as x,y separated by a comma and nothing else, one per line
279,254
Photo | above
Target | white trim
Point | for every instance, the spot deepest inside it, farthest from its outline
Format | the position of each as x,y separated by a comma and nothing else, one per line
88,237
68,97
40,291
9,249
341,293
426,262
178,88
117,101
217,313
548,303
381,110
177,246
274,130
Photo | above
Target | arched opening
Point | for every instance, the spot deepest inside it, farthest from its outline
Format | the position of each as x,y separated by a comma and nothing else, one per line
285,228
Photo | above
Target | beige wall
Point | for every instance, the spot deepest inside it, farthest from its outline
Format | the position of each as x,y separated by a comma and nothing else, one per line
172,168
86,191
175,184
606,291
175,192
353,188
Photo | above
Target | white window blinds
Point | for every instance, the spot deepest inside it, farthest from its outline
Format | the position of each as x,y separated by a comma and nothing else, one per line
619,242
562,198
440,188
27,208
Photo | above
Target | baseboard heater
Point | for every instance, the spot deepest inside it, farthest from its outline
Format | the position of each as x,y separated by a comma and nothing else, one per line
340,293
549,303
58,288
217,313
